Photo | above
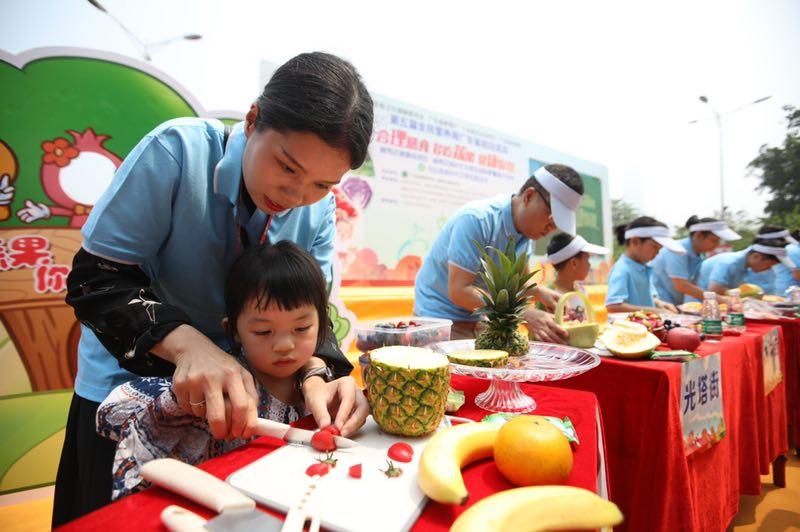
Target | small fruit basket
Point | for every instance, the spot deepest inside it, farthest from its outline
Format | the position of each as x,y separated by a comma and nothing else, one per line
409,331
581,324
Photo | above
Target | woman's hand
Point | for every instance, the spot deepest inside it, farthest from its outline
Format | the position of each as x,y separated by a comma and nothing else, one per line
205,377
663,305
543,327
340,398
547,297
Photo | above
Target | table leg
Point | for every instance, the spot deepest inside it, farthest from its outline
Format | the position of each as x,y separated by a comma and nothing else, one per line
779,471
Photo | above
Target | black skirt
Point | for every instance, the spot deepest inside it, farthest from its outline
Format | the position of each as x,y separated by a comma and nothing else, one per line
83,482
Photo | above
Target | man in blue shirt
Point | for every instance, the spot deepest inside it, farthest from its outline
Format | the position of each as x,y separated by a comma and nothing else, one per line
445,286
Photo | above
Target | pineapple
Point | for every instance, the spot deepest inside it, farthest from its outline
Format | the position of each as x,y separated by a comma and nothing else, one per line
407,389
505,296
482,358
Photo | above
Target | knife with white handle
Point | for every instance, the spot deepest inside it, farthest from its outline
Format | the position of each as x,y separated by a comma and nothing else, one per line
289,434
237,511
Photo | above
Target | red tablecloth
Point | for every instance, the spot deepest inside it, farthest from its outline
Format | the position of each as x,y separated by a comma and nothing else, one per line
142,510
656,485
791,374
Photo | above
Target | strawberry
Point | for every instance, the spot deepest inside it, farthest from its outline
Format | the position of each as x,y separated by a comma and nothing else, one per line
322,440
328,460
355,471
392,471
400,452
333,429
319,468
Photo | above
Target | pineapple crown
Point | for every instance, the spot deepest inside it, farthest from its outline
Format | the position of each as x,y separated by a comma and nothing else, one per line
507,290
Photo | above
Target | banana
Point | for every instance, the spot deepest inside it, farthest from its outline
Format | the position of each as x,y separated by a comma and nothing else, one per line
539,508
446,453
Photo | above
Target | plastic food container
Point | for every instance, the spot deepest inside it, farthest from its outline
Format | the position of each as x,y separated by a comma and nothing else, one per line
413,331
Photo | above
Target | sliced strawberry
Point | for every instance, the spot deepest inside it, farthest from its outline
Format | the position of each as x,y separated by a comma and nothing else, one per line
400,452
355,471
333,429
319,468
322,440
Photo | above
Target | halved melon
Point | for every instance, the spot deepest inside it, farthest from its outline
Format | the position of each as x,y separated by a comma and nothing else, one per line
484,358
626,339
750,290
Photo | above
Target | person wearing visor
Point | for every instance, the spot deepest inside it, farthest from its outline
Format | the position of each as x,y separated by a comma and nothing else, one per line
630,284
445,285
675,275
569,256
728,270
784,277
768,280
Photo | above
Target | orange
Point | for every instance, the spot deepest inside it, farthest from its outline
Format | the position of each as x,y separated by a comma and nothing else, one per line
530,451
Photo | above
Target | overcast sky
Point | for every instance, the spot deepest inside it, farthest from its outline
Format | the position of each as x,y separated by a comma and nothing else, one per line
613,82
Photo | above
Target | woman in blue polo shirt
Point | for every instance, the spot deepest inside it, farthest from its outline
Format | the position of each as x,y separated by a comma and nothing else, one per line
675,275
147,284
630,283
774,280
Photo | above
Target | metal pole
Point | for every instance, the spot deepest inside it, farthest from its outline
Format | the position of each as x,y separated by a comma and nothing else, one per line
721,168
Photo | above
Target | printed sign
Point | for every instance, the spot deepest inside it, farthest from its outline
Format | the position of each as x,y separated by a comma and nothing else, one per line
771,357
701,403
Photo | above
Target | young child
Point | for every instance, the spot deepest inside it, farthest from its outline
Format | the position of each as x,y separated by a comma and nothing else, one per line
630,284
276,307
569,256
729,270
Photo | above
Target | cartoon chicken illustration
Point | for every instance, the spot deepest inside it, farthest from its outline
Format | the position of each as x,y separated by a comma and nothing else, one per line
74,175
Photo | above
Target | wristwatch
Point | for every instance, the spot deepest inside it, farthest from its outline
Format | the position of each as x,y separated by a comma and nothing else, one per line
325,372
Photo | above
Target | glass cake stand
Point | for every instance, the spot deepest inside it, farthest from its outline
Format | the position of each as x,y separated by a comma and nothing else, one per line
544,362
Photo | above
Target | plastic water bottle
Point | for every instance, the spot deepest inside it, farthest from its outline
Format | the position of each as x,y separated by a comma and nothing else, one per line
793,295
712,322
736,310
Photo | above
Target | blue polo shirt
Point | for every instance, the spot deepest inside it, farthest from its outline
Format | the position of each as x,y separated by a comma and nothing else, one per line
172,210
727,269
765,279
631,282
669,265
783,275
487,222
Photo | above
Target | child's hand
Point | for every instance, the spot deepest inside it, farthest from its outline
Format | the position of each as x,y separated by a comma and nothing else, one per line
341,398
205,376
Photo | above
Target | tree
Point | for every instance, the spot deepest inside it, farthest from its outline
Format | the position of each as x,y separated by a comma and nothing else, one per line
779,171
622,212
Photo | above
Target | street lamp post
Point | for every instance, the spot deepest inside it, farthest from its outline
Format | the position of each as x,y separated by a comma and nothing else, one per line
718,119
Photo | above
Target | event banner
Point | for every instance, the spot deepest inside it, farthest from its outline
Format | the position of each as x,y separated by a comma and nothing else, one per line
422,168
771,357
701,403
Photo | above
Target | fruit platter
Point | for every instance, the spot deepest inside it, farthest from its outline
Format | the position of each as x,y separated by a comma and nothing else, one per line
543,362
410,331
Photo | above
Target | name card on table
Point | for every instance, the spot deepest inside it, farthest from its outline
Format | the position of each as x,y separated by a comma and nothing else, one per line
771,357
701,403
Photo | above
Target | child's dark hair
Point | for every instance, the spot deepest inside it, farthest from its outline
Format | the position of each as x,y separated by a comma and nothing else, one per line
282,273
556,244
796,234
771,242
562,172
693,219
641,221
322,94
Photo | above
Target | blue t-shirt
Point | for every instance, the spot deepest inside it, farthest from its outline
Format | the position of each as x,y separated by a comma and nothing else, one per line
669,265
487,222
727,269
783,275
172,209
631,282
765,279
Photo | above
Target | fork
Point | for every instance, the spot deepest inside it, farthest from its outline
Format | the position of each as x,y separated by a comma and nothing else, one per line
306,508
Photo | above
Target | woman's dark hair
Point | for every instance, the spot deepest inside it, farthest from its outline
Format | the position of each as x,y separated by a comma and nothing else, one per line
693,219
796,234
322,94
280,273
641,221
563,173
765,229
771,242
556,244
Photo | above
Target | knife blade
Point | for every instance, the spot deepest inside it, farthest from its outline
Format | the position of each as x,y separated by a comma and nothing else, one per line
237,512
289,434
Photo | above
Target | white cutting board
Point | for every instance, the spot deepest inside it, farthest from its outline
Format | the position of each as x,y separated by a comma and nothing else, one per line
373,502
